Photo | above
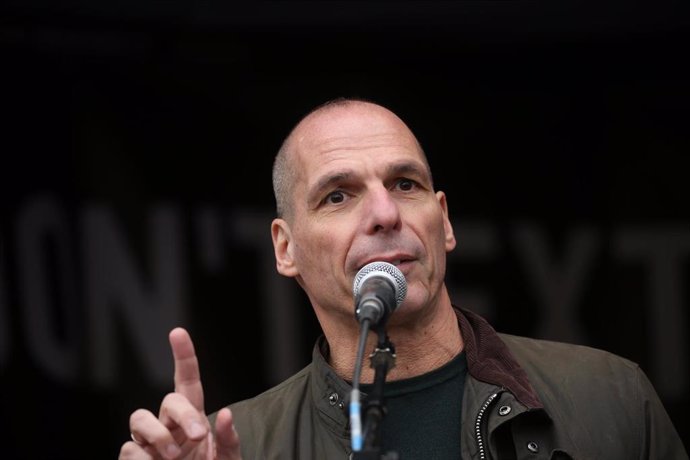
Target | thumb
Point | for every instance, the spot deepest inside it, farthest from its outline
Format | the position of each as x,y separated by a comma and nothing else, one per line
227,439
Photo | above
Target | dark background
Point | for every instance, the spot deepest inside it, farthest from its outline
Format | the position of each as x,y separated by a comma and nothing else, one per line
552,126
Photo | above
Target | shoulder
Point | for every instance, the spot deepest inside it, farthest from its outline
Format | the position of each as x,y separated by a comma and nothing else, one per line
269,400
280,393
533,354
269,415
581,381
561,371
606,401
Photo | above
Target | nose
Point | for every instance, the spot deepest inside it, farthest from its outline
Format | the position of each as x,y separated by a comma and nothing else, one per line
382,213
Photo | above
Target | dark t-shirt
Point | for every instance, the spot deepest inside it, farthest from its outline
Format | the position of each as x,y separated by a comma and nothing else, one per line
423,413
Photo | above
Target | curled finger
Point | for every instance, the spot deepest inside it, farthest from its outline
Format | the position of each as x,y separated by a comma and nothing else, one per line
177,411
149,433
131,450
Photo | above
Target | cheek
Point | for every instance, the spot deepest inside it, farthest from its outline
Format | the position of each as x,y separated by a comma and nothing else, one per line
435,231
318,246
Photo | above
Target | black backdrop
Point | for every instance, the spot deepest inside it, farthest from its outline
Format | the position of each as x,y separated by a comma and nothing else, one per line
136,153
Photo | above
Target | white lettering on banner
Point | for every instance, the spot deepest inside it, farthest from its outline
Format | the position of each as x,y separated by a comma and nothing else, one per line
50,314
282,353
4,316
118,292
126,296
662,251
559,284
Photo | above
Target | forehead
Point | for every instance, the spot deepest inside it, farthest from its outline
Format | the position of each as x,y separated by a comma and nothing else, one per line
338,133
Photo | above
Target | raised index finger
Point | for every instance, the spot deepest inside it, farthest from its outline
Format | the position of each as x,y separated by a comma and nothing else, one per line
187,376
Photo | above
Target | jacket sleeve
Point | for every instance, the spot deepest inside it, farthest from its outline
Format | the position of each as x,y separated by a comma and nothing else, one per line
660,438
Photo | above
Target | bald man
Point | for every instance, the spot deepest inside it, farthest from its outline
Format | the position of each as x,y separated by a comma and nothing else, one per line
353,186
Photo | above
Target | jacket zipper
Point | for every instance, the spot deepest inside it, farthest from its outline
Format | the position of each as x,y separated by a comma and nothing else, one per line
478,426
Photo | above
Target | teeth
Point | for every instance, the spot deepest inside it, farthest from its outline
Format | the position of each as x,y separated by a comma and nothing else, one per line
396,262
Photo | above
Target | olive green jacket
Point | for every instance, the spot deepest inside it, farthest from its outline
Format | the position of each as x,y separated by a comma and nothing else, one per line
524,398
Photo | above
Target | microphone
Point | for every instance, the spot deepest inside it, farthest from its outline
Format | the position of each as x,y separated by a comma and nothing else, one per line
379,288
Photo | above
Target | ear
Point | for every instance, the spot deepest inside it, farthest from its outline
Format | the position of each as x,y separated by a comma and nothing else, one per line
447,227
283,248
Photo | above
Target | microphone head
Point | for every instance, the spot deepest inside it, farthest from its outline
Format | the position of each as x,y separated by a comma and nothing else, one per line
386,270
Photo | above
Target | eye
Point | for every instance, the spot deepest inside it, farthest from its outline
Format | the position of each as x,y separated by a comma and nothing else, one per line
405,184
335,197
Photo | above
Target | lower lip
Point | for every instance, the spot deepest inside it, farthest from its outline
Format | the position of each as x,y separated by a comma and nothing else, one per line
405,266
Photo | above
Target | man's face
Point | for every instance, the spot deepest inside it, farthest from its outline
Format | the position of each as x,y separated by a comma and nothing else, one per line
363,193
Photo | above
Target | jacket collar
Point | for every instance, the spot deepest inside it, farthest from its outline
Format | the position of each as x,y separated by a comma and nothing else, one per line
490,361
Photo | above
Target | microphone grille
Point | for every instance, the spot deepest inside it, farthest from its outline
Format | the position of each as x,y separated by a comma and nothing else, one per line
390,271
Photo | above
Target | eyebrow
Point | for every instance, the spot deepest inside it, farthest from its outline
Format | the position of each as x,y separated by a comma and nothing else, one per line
409,167
327,182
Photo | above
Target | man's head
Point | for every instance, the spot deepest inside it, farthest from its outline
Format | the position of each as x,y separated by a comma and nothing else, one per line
284,173
353,186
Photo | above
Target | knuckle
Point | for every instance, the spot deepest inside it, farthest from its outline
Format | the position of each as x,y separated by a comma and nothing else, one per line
170,398
138,417
169,404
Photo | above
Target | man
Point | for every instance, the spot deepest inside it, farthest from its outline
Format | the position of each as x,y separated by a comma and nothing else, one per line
353,186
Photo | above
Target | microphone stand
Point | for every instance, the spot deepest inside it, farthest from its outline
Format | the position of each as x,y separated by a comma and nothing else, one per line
381,360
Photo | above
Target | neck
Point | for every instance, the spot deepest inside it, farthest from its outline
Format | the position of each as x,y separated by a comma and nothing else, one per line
421,345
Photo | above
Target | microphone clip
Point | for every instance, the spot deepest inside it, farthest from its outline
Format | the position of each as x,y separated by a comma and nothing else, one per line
383,358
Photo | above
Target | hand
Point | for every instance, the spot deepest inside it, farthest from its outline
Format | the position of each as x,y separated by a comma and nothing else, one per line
182,429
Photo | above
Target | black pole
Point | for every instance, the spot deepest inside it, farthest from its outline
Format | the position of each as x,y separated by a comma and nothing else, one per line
381,360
